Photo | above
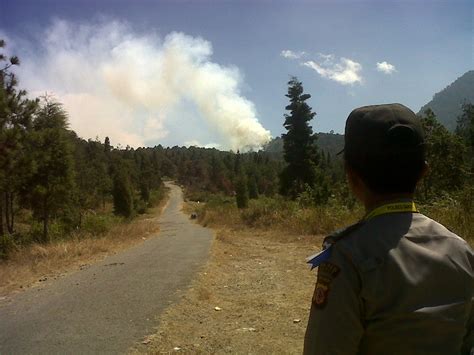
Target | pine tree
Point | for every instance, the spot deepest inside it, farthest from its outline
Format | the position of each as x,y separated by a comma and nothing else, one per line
15,124
465,129
252,187
122,194
445,156
242,195
299,143
52,183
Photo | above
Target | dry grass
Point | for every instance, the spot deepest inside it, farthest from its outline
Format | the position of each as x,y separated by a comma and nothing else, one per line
277,214
26,266
262,285
257,276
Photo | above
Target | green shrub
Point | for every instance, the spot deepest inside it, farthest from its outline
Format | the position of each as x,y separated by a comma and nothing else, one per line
7,244
456,212
156,196
99,224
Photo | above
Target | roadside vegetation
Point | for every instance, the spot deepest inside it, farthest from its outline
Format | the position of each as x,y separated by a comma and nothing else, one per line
55,186
103,234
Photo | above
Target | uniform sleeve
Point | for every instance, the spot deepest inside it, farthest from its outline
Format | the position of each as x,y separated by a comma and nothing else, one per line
334,325
468,344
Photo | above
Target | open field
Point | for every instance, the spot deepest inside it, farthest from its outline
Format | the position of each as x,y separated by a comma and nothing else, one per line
35,263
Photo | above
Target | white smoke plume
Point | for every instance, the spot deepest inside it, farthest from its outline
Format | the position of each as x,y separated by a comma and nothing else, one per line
134,87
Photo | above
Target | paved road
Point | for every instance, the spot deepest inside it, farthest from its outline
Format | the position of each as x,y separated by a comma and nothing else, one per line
110,305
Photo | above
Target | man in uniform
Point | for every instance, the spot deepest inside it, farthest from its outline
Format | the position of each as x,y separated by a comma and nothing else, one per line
397,282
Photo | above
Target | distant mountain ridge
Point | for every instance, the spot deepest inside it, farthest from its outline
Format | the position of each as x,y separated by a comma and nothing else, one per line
331,143
447,103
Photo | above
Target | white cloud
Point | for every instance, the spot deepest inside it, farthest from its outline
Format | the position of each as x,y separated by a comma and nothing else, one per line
385,67
128,86
286,53
345,72
327,58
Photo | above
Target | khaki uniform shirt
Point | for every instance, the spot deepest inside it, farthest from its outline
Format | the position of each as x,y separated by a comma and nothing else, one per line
399,283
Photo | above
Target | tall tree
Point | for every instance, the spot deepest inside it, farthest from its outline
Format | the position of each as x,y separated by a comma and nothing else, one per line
52,184
122,193
445,156
465,129
15,122
299,143
241,193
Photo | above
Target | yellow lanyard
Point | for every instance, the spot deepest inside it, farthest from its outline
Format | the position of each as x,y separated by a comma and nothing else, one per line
392,208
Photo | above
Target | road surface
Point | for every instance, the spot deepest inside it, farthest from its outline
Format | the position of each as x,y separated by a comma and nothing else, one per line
109,306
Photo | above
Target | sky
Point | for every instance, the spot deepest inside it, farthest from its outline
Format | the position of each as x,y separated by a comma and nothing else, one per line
215,73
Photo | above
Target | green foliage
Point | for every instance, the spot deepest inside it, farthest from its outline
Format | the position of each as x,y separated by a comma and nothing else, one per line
7,244
122,194
331,143
98,224
299,143
279,213
241,192
445,156
455,211
53,179
252,187
465,130
58,185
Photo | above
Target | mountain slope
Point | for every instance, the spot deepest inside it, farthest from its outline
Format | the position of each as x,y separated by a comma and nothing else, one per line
447,103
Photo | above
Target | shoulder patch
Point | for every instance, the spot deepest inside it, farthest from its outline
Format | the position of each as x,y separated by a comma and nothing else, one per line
316,259
326,273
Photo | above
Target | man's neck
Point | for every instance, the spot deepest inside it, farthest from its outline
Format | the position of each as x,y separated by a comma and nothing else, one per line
373,201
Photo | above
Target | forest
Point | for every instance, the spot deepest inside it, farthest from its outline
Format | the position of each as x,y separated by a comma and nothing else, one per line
55,185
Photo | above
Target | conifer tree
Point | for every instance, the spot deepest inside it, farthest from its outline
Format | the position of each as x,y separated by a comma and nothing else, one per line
465,129
52,183
252,187
242,195
445,156
15,123
299,143
122,194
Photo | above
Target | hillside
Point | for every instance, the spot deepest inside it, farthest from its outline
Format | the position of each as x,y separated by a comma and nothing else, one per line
329,142
446,104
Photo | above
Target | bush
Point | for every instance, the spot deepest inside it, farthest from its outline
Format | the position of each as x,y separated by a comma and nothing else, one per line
7,244
141,206
456,212
198,195
98,224
156,196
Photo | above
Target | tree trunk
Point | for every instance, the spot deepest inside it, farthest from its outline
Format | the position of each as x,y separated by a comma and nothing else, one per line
45,221
1,214
10,224
6,209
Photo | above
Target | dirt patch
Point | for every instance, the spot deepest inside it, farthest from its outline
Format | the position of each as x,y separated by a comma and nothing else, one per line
253,296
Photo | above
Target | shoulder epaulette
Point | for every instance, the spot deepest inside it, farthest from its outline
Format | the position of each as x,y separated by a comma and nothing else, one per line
320,257
340,234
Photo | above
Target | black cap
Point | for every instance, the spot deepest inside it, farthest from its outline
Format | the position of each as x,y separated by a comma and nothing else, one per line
380,131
